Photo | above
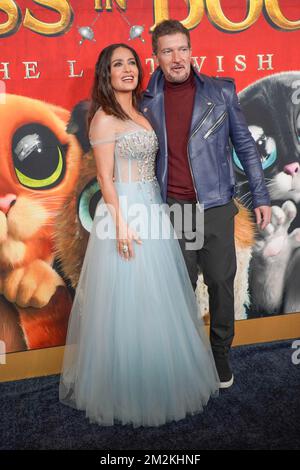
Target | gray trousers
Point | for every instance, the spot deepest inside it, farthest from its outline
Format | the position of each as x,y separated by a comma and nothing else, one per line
217,261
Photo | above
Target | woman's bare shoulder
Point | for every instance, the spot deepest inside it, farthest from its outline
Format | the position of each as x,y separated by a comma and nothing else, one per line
104,125
103,128
102,118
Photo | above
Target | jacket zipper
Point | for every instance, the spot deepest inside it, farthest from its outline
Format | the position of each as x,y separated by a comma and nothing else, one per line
216,125
188,153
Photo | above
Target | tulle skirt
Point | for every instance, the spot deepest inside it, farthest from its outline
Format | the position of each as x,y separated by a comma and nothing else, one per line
136,349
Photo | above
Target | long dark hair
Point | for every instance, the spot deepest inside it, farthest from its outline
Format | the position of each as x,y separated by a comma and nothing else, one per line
102,94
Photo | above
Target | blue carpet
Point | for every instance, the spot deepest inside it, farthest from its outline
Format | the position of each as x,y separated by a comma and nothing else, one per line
260,411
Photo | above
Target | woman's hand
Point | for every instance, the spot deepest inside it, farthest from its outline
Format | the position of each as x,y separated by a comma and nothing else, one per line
125,239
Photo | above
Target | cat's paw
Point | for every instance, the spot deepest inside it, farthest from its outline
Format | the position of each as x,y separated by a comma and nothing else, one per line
275,240
32,285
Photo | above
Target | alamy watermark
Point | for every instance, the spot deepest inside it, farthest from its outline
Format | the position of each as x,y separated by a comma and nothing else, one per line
155,221
296,94
296,353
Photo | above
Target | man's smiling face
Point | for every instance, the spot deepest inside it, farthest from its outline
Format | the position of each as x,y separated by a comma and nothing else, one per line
174,57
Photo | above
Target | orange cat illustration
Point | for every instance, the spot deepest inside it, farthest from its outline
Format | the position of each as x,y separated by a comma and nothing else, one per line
39,167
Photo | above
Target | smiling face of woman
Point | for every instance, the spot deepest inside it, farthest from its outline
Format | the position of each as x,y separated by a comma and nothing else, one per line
123,70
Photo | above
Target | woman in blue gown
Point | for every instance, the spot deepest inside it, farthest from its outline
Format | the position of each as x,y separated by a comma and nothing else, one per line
136,349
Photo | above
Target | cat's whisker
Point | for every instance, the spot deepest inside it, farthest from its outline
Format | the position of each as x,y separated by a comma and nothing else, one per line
44,197
49,200
272,187
241,183
49,224
244,196
274,194
246,202
51,216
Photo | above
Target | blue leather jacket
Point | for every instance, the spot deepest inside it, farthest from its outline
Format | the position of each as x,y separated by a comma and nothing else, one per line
217,124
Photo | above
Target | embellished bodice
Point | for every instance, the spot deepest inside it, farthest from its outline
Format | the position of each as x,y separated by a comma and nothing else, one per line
132,146
135,155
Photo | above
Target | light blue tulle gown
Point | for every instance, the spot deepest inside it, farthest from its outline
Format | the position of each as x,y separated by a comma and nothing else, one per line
136,349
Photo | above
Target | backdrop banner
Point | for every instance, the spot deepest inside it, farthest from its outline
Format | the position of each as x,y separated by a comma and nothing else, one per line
48,185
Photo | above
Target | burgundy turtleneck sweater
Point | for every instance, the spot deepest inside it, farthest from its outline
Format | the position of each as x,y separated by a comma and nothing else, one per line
179,102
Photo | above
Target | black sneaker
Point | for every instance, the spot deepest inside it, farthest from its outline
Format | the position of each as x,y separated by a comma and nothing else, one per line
227,384
224,370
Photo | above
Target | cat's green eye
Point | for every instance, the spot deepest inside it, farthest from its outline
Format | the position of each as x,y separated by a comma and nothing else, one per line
39,158
87,203
45,182
266,147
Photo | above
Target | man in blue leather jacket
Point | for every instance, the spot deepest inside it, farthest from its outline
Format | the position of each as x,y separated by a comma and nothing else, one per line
198,119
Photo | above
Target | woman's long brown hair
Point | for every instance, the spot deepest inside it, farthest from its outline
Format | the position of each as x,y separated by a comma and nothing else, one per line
102,94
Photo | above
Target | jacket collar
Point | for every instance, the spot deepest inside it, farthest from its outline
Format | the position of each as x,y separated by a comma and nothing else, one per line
154,100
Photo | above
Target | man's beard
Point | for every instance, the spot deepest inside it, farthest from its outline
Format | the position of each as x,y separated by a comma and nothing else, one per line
178,79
